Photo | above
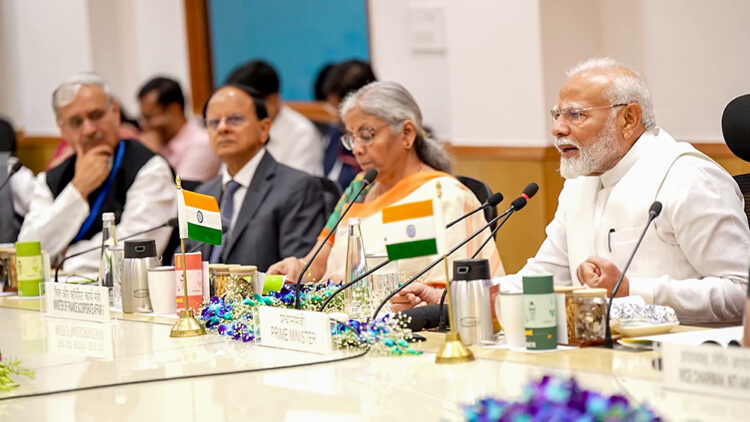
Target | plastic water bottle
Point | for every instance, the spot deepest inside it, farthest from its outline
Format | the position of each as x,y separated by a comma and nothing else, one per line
109,240
357,299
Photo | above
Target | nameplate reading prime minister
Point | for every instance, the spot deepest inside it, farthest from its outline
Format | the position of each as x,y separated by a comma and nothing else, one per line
293,329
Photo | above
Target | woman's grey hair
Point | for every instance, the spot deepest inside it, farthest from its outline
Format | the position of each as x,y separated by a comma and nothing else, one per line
627,87
66,92
392,103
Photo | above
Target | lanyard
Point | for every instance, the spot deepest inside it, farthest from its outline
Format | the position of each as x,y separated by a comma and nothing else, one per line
99,203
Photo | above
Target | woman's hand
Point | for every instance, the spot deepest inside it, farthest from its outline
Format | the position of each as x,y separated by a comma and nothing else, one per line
415,294
290,267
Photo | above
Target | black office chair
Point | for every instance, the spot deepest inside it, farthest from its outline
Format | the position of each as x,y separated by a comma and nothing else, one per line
482,191
331,194
735,125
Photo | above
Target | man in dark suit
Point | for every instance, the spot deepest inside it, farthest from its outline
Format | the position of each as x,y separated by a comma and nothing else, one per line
268,210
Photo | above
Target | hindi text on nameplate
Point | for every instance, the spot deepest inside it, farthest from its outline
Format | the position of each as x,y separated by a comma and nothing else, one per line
293,329
88,303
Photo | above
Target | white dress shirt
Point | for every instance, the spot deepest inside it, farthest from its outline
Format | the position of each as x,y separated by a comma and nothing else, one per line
21,186
243,177
150,201
295,142
695,257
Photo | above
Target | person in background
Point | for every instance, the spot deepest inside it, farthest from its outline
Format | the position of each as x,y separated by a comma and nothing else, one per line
346,77
16,195
616,163
384,130
106,174
294,141
269,210
166,130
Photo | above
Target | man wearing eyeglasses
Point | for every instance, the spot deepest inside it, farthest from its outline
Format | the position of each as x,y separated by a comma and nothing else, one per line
268,210
106,174
616,163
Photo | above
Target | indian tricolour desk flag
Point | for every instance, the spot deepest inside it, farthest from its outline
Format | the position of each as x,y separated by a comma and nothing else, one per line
410,230
200,218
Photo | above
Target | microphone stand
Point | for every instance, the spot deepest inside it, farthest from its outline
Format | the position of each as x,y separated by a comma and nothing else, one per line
436,262
170,223
298,287
652,214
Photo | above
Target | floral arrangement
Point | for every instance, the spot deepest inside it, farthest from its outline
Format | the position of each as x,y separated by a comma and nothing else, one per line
557,399
12,367
235,315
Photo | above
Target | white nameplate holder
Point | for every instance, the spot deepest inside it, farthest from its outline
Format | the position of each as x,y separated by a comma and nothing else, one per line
75,301
293,329
713,370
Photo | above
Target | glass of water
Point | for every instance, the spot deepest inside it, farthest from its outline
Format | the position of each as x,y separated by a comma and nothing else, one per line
383,281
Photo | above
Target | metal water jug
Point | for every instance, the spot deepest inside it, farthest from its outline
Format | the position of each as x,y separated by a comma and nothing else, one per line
140,255
470,291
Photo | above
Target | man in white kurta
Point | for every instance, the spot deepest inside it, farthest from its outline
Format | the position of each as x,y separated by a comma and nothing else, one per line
694,257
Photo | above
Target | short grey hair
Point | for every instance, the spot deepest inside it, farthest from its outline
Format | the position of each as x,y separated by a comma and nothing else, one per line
66,92
392,103
627,87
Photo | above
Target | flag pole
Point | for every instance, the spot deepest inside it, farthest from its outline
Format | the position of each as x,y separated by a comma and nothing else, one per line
187,325
453,350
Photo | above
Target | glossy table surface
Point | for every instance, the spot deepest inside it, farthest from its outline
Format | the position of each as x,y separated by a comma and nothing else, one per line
130,369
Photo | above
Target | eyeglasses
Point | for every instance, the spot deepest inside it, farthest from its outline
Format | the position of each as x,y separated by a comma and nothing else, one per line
575,115
364,136
94,116
233,120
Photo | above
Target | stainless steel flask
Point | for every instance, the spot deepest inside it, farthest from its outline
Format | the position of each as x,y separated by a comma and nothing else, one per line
470,291
140,255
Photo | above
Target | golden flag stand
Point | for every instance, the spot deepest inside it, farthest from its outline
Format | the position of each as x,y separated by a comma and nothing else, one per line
187,325
454,350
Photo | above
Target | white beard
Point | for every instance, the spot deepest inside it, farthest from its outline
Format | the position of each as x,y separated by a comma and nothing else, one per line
592,158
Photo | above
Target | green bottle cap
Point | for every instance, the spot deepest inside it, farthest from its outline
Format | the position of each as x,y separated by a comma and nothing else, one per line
538,284
28,248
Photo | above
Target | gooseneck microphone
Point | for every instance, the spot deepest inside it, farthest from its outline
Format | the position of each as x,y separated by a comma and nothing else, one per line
457,247
528,192
172,222
13,170
492,201
368,179
653,212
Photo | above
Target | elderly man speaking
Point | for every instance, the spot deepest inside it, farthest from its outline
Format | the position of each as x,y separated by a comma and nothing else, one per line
616,162
106,174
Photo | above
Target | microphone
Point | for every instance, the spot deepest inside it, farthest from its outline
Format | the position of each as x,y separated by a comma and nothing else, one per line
13,170
528,192
653,212
172,222
368,179
436,262
425,317
492,201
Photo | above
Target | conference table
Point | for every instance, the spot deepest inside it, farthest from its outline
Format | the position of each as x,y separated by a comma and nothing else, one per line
130,369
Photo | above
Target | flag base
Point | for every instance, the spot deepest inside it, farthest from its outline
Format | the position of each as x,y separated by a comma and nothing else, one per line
187,325
454,350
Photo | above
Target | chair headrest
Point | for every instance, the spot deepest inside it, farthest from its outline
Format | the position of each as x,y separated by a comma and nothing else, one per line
735,125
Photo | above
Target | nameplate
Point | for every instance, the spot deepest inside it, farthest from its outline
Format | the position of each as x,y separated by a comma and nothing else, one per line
88,303
293,329
711,370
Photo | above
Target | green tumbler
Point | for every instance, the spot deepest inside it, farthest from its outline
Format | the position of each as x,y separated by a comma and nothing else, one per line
29,267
